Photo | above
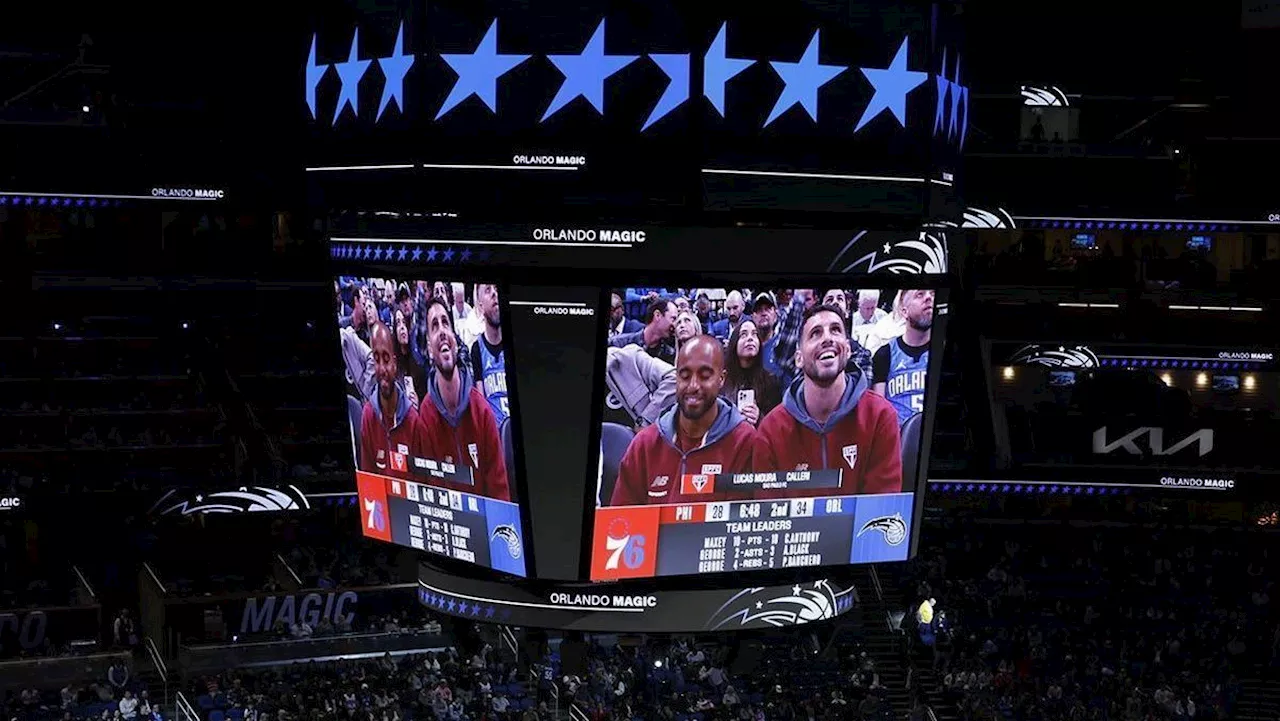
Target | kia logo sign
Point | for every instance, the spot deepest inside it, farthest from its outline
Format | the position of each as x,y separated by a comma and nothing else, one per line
1155,441
10,502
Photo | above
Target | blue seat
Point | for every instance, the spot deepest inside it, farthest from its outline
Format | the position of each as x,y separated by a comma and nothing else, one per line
217,715
204,701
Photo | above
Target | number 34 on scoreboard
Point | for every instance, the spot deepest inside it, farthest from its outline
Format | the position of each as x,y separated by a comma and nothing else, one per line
625,543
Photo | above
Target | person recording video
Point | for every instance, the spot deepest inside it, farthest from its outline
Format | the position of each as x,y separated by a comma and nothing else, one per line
828,420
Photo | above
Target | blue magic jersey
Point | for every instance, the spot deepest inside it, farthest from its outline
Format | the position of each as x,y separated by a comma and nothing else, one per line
490,369
904,383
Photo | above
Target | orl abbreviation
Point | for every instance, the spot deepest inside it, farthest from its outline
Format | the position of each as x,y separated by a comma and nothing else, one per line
263,614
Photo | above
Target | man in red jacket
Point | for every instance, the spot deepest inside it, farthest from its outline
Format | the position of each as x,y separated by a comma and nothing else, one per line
829,420
455,423
677,459
389,422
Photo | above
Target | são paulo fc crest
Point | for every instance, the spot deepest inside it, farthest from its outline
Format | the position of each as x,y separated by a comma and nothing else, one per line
893,528
850,454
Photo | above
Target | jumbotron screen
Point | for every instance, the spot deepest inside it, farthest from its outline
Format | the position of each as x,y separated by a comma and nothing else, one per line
785,433
425,367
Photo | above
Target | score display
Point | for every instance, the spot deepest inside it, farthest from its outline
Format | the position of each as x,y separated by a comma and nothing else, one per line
446,522
674,540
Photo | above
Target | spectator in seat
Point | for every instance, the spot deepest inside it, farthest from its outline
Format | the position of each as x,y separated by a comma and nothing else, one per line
619,323
658,332
828,419
389,422
129,706
456,424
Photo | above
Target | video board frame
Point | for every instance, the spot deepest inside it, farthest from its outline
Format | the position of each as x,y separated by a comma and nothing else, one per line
507,268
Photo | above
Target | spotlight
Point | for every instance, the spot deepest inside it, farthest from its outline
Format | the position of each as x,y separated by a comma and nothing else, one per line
185,325
1202,379
57,326
657,663
1007,373
84,108
1166,379
1249,382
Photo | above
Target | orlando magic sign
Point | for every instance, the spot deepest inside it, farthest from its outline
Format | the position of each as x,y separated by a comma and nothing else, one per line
881,93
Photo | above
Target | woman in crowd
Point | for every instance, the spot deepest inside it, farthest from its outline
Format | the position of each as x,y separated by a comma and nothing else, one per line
686,326
748,386
414,375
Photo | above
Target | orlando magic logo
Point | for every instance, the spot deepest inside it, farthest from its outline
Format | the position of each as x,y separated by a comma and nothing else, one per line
893,528
1079,356
507,533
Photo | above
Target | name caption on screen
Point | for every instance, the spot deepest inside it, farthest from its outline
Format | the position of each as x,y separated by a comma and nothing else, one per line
600,600
562,310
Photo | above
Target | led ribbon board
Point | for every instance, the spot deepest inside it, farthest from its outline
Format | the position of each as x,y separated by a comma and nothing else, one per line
882,98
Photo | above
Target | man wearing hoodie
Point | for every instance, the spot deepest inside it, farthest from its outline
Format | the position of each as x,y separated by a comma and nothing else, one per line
828,420
456,424
676,459
389,422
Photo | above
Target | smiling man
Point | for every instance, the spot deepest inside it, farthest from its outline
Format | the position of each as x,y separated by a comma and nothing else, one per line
389,422
828,420
456,424
677,459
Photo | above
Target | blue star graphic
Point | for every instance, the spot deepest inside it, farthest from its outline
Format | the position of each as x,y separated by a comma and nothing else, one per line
350,73
475,609
431,255
368,252
488,611
718,69
478,72
417,254
451,605
466,255
394,67
448,255
404,253
377,253
315,73
463,607
802,81
959,104
585,73
676,68
892,85
943,108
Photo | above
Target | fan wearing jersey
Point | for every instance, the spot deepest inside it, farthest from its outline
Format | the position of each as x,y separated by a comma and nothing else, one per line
488,364
456,424
677,459
900,367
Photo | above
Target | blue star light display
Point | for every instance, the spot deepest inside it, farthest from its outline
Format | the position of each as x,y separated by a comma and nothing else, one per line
314,74
585,73
676,67
802,81
718,69
350,73
892,85
952,110
394,67
478,72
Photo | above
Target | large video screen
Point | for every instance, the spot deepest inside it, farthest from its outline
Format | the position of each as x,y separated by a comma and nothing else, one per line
425,364
759,428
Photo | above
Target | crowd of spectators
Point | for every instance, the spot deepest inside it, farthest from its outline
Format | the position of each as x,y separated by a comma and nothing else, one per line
443,684
1125,624
117,696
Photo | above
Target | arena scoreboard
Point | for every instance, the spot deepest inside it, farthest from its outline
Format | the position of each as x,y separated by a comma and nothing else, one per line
603,334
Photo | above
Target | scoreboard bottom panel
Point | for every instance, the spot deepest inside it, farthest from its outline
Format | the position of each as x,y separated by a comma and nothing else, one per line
446,522
697,538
